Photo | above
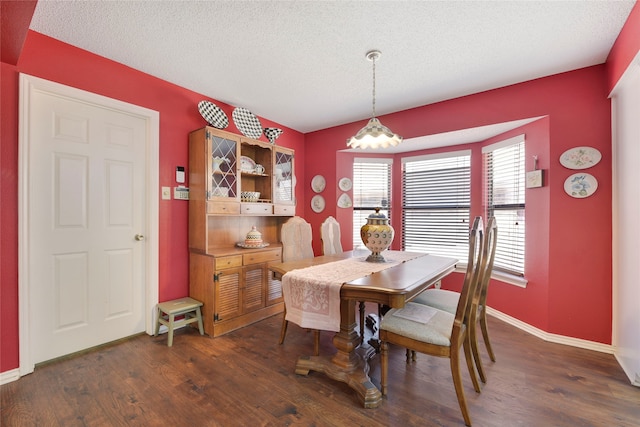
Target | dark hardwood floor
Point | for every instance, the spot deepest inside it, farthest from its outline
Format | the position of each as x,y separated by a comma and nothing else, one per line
246,379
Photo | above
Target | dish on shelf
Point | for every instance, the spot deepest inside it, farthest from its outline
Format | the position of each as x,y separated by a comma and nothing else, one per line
580,185
344,201
247,164
247,123
245,246
249,196
213,114
344,184
220,192
318,183
580,158
317,203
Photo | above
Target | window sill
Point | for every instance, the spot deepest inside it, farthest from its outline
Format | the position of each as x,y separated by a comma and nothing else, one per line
511,279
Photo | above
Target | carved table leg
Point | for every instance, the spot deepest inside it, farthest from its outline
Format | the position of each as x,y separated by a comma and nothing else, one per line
350,363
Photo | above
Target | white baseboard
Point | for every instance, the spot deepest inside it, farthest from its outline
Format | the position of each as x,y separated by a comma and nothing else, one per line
9,376
559,339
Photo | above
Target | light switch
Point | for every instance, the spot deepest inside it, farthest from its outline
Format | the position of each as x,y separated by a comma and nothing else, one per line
166,193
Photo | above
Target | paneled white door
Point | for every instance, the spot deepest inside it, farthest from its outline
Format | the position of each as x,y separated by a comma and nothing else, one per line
86,224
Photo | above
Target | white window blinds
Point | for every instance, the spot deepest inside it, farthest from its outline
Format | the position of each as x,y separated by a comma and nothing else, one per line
505,199
436,202
371,189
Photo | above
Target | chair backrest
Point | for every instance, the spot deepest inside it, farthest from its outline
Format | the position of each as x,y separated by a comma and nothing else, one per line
488,256
476,244
330,235
296,239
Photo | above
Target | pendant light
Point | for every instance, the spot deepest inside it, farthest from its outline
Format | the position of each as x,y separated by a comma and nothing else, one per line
374,134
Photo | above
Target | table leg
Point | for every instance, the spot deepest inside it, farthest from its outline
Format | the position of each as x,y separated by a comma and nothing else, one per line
350,363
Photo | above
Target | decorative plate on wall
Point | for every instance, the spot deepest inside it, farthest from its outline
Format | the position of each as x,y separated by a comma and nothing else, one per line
317,203
318,183
580,185
247,123
344,201
580,158
213,114
344,184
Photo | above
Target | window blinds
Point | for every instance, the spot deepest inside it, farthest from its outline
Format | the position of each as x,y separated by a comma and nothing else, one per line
371,189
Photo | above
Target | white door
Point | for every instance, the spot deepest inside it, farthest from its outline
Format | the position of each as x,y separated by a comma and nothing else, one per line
85,220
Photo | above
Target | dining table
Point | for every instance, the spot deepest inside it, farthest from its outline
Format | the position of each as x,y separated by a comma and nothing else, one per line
393,286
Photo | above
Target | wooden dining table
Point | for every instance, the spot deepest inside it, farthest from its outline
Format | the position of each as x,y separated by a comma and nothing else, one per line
394,286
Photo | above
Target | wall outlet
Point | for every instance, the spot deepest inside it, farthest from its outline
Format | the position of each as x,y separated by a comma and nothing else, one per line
166,193
181,193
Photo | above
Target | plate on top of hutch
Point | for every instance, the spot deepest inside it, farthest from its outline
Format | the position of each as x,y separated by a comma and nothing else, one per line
318,183
213,114
247,123
580,158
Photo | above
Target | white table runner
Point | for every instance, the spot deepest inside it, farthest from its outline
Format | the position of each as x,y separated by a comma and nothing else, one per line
312,294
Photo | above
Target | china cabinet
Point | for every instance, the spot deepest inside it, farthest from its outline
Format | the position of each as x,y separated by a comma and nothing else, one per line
236,183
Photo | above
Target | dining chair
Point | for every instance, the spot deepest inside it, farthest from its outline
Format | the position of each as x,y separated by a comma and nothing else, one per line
296,237
446,300
434,332
331,244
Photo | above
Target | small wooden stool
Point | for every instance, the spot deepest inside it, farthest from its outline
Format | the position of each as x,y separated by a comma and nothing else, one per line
168,310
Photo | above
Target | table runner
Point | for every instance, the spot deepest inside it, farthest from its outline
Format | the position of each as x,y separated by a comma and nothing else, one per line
312,294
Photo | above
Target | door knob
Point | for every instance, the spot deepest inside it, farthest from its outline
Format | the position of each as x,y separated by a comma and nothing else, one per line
139,237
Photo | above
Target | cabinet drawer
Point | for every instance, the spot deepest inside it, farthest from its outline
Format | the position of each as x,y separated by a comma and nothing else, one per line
263,256
257,208
226,208
228,262
289,210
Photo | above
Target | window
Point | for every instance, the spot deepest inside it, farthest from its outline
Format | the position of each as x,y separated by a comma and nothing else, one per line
504,191
436,203
371,189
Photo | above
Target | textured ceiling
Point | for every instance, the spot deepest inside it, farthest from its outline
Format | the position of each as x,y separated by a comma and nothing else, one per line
302,63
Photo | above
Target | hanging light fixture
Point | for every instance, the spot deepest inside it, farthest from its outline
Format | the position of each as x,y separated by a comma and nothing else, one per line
374,134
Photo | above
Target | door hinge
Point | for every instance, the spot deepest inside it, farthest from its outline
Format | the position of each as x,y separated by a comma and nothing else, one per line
215,317
216,277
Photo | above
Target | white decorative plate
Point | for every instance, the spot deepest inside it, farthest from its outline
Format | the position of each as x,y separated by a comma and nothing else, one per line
344,201
318,183
580,185
213,114
317,203
245,246
344,184
247,164
247,123
580,158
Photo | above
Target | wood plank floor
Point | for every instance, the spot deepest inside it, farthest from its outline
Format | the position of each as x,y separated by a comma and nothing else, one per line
246,379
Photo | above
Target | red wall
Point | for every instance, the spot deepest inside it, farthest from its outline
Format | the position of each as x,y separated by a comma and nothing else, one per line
59,62
568,240
568,253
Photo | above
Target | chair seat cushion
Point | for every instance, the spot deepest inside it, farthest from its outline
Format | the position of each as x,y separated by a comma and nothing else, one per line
440,299
421,323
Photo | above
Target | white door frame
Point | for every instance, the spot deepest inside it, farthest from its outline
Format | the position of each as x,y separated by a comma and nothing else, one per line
29,84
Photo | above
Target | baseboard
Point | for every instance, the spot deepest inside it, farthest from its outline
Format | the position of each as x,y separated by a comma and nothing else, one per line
559,339
9,376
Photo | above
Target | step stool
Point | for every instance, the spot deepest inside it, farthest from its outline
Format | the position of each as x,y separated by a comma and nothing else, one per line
169,310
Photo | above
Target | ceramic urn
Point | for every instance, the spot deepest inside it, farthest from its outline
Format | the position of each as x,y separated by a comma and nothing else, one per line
376,235
253,238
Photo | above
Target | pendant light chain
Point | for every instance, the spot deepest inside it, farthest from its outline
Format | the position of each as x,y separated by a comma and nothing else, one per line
374,84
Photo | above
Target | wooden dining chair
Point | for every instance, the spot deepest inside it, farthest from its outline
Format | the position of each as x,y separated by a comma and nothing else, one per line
331,244
296,244
446,300
434,332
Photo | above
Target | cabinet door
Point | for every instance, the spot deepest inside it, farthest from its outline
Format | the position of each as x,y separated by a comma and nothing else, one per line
274,289
227,300
284,178
253,292
222,166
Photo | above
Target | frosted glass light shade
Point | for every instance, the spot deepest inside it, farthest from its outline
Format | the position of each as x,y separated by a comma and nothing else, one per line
374,135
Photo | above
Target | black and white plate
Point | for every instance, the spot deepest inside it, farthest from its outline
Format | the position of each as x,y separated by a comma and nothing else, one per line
247,123
213,114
